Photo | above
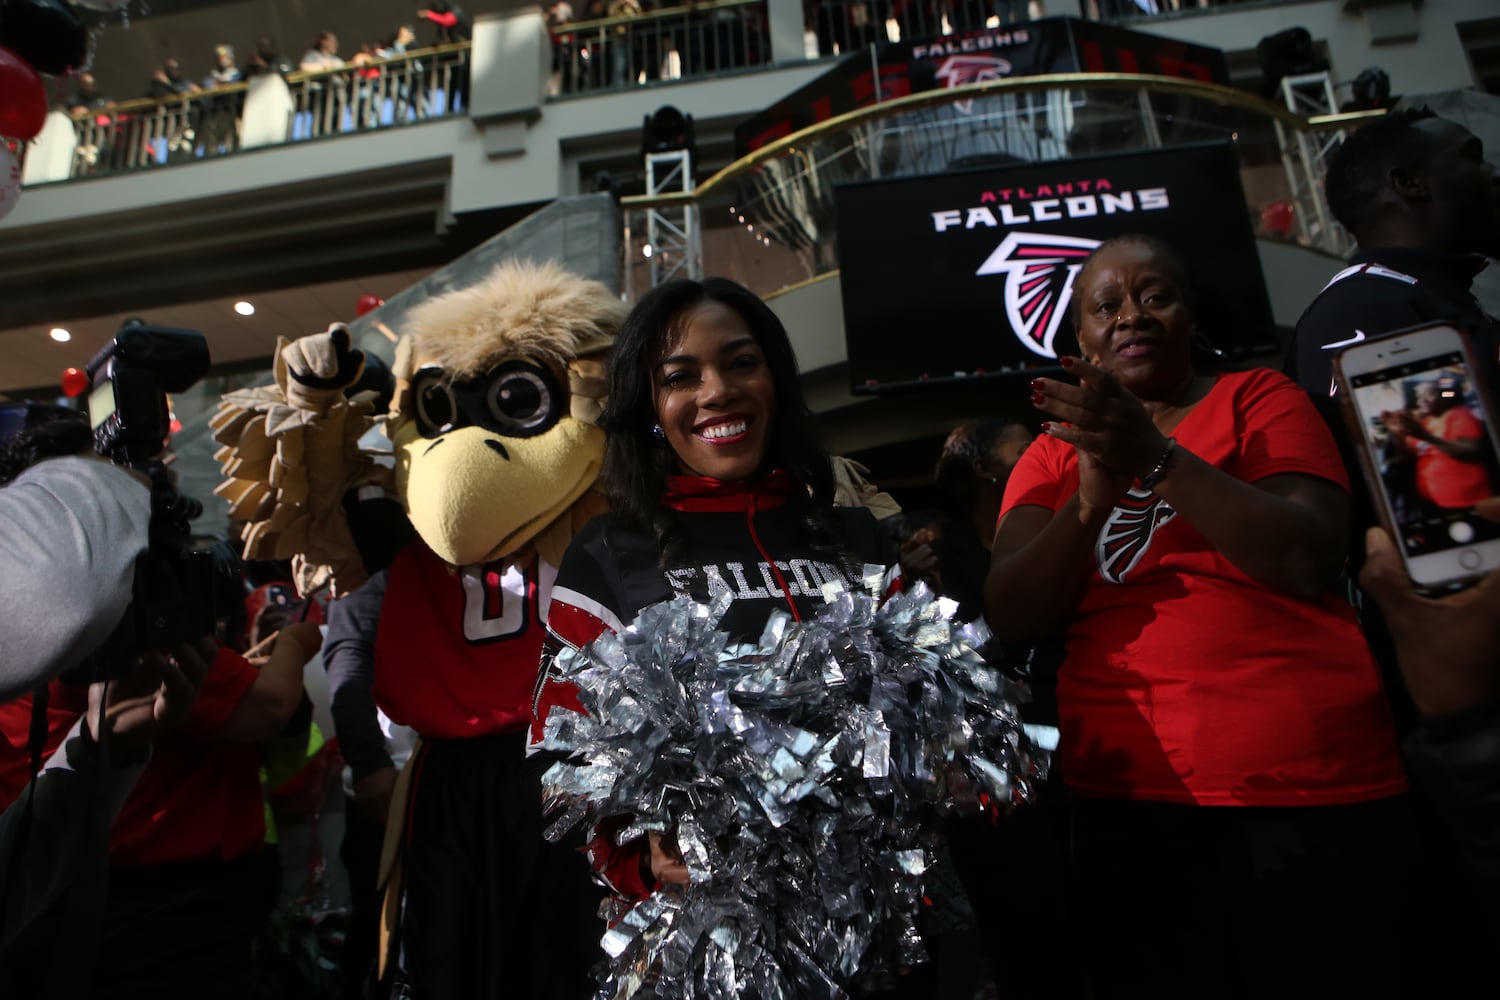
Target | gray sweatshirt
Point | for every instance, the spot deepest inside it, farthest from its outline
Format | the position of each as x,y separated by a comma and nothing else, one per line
70,531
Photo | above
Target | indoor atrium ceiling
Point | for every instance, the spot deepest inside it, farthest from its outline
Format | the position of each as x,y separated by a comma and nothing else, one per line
31,360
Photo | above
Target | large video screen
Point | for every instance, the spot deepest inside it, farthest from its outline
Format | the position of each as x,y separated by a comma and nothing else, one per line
969,274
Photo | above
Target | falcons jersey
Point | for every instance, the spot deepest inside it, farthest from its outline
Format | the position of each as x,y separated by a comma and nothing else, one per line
457,648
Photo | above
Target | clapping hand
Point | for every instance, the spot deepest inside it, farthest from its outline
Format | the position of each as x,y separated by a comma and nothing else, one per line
1401,422
1115,437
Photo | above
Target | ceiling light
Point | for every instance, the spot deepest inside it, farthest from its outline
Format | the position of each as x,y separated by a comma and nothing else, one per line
60,335
244,308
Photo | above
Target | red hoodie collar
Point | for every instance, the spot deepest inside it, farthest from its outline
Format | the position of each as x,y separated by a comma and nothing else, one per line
702,494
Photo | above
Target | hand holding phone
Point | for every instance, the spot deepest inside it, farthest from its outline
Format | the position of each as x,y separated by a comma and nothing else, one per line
1426,438
1446,647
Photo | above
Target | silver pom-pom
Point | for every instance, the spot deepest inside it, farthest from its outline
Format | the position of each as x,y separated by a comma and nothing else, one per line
798,776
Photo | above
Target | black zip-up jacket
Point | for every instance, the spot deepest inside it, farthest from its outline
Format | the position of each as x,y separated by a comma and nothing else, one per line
745,539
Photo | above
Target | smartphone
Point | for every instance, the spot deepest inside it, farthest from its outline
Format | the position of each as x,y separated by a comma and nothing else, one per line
1425,434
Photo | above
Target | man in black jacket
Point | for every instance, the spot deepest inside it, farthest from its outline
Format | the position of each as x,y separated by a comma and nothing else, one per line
1423,205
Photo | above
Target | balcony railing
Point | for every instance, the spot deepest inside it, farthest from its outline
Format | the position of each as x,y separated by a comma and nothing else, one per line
768,218
677,43
135,135
1138,10
841,26
416,86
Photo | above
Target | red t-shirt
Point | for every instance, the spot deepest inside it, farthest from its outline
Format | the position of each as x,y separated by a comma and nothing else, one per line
199,797
459,655
1446,481
1185,680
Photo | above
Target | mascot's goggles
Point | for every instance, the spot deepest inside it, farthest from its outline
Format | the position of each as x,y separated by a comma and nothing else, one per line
517,399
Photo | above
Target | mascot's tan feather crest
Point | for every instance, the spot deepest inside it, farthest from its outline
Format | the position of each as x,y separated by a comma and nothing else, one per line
540,310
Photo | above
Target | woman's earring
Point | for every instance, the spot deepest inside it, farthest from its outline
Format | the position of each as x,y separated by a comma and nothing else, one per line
658,433
1202,343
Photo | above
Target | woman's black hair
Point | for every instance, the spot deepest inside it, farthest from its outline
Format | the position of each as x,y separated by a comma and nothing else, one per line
967,444
1177,270
637,463
35,431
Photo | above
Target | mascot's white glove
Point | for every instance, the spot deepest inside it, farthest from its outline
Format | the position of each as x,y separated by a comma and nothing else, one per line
320,367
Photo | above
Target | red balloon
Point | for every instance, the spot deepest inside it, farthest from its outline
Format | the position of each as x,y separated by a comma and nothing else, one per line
1277,218
367,303
75,382
23,98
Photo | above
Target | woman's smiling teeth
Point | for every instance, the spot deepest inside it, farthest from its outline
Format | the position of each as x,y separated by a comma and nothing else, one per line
720,431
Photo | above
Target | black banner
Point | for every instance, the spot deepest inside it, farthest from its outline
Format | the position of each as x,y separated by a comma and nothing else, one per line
969,274
1050,45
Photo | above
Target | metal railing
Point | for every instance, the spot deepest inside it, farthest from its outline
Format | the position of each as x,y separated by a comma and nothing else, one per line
415,86
135,135
768,218
677,43
1136,10
842,26
149,132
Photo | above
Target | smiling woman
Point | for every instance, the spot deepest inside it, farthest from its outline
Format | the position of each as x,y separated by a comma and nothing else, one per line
718,485
1218,704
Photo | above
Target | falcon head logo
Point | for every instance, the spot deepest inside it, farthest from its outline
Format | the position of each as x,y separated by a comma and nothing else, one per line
1039,270
955,71
1127,533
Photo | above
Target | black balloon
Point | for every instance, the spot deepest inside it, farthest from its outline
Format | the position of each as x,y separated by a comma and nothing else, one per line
49,34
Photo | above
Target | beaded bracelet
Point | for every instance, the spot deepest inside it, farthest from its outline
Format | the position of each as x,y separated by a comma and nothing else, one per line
1158,472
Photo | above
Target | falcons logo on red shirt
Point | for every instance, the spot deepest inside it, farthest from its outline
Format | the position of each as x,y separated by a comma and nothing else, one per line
1127,534
1039,270
955,71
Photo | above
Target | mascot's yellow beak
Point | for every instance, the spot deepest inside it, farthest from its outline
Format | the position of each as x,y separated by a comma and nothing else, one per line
475,495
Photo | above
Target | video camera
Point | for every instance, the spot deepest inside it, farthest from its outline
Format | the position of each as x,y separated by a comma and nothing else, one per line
128,411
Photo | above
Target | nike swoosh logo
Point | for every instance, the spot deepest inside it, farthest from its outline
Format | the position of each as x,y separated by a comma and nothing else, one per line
1358,336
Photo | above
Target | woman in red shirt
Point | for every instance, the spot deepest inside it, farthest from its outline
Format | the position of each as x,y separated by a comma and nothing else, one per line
1224,729
1449,445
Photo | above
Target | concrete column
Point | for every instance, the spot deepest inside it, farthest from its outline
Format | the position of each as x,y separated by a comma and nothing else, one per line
49,157
788,34
509,66
267,118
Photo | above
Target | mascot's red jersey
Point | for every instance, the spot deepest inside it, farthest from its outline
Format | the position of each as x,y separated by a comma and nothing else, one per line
457,649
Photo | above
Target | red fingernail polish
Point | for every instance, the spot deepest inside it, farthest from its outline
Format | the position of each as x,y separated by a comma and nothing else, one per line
1037,385
1037,399
1046,427
1067,360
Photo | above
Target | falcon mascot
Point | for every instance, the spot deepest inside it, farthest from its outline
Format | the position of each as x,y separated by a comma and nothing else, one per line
497,390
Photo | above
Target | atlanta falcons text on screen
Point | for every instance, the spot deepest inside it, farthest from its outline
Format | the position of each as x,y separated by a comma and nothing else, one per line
1048,203
975,43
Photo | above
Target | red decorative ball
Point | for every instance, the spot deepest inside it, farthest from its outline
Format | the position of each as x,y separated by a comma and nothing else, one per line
367,303
1277,218
23,98
75,382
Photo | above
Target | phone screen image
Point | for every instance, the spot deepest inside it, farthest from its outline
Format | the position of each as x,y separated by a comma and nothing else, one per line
1425,425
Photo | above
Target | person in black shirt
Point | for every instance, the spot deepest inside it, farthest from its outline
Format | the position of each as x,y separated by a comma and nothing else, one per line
1424,206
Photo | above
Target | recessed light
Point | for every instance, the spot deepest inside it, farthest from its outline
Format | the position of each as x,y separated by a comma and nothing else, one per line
244,308
60,335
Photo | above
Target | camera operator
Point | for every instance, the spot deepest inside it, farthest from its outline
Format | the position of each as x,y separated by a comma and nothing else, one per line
74,526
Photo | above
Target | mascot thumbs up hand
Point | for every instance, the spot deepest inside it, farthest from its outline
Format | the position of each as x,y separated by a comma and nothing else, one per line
322,363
